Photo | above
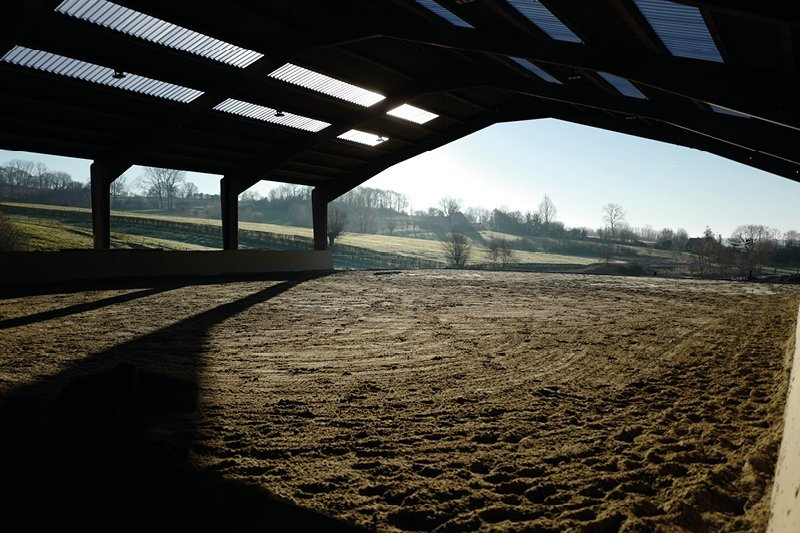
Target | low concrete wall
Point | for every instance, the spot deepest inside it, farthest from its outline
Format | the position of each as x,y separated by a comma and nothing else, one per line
18,268
785,515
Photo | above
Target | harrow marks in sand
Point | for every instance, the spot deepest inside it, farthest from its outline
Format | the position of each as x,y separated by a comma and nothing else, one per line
460,400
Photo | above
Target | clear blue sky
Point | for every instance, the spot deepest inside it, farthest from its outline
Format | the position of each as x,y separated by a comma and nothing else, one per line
580,168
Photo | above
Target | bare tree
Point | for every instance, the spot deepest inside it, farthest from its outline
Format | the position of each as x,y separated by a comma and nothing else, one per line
5,180
625,233
59,180
756,241
751,234
163,183
613,215
478,215
337,221
401,202
40,173
547,210
647,233
679,242
20,174
366,218
250,196
391,224
450,206
608,252
500,251
664,239
119,187
190,190
457,248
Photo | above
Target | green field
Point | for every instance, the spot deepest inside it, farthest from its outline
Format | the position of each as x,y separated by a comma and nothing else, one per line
42,235
58,227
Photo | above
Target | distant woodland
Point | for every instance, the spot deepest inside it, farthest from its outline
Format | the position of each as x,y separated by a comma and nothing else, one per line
367,210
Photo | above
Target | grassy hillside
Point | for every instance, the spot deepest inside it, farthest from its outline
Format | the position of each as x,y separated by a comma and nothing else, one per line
57,227
48,235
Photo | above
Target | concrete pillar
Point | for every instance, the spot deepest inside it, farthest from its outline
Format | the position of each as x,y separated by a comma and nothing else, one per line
101,206
319,212
229,195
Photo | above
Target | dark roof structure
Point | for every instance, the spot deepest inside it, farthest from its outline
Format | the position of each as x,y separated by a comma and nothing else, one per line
329,93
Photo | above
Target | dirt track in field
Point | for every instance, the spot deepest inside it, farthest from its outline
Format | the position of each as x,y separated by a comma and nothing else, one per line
455,400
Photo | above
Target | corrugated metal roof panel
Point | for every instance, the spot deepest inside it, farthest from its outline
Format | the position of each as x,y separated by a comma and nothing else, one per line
130,22
75,68
271,115
681,28
531,67
623,86
444,13
321,83
362,137
412,113
544,19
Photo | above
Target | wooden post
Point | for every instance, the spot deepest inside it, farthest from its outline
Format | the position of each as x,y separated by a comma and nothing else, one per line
101,206
229,196
319,213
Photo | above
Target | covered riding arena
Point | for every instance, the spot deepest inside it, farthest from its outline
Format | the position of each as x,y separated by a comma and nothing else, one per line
246,389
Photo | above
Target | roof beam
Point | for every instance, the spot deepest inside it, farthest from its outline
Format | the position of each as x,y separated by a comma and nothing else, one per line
22,19
312,167
340,186
25,106
738,131
713,30
250,29
787,45
257,170
687,139
223,81
773,100
670,135
219,82
349,159
452,94
91,43
639,26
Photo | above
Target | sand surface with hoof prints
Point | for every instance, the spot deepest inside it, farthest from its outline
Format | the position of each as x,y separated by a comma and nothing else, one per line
413,400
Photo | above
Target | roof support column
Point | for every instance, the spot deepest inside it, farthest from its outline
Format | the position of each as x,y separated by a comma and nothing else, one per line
101,179
229,195
319,213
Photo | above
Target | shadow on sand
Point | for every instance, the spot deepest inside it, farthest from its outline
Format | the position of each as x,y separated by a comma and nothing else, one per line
82,308
106,443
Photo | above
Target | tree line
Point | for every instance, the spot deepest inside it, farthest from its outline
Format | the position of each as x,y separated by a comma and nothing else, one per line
373,210
23,180
29,181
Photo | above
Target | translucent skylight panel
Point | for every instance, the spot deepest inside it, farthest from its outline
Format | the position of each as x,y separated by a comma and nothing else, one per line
74,68
445,13
130,22
724,111
531,67
412,113
271,115
544,19
622,85
681,28
362,137
321,83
